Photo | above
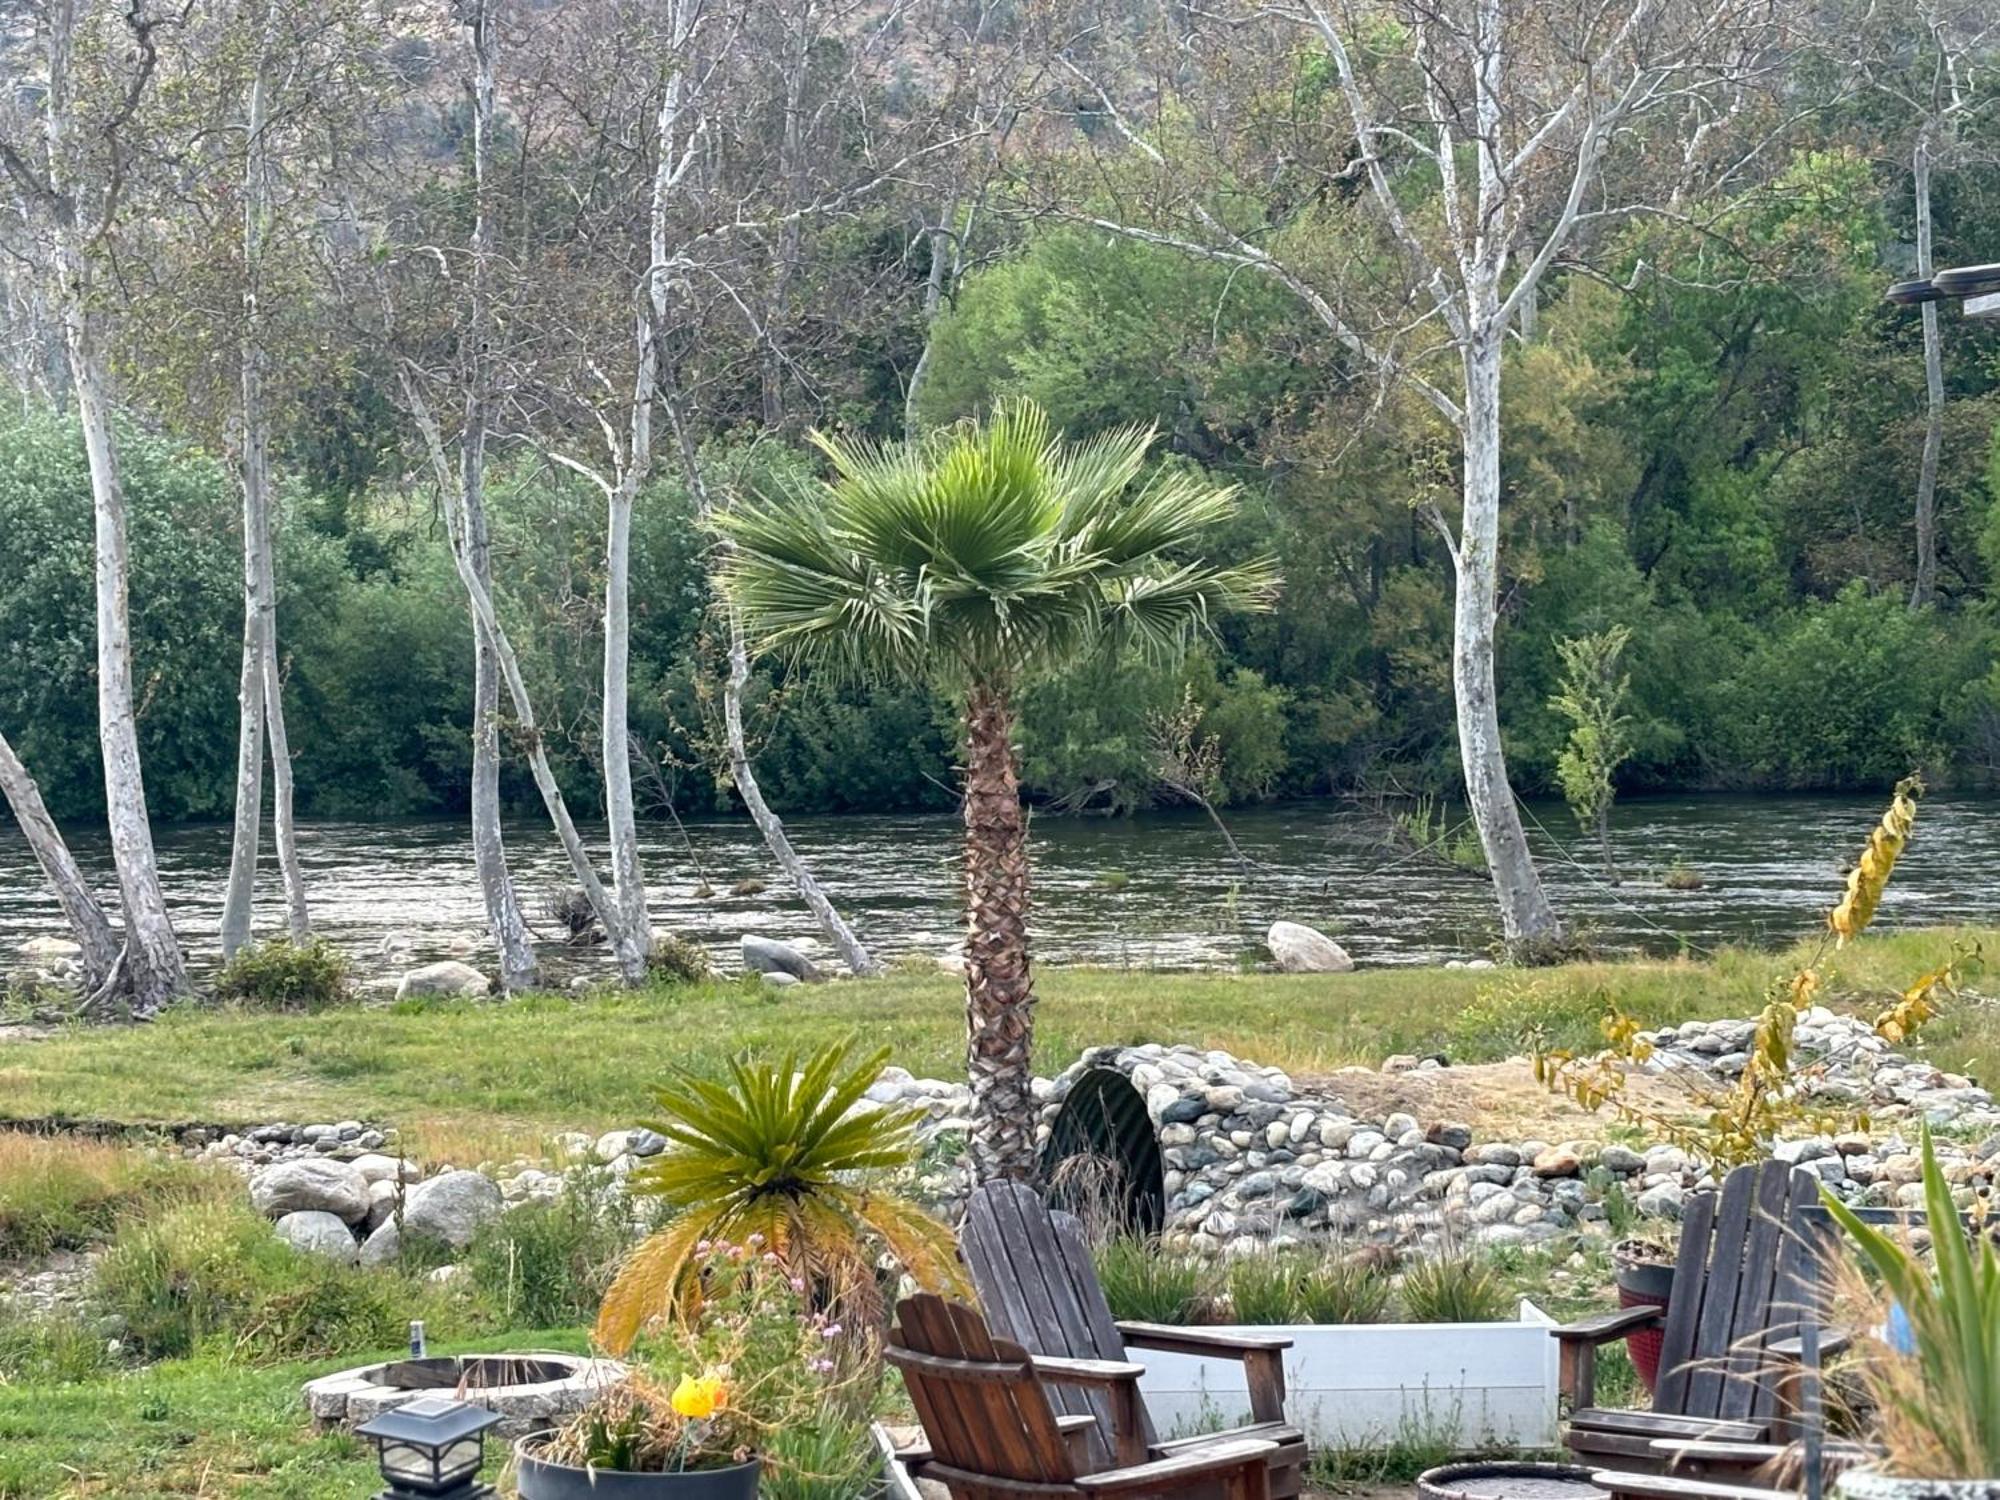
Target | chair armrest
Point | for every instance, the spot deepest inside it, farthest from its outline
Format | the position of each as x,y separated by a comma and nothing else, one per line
1120,1383
1606,1326
1171,1340
1183,1471
1261,1355
1832,1341
1085,1371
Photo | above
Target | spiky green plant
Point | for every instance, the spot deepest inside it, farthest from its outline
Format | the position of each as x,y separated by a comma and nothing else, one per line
777,1160
1938,1405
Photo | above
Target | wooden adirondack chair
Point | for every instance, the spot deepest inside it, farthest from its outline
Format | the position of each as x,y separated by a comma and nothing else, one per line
1744,1282
993,1434
1032,1269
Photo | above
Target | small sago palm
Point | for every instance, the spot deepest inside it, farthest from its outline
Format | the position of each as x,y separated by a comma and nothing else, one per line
975,559
787,1154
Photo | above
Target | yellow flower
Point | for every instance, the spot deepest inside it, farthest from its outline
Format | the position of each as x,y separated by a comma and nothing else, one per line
698,1398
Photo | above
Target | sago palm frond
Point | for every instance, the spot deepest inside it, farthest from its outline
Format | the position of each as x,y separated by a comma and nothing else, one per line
784,1152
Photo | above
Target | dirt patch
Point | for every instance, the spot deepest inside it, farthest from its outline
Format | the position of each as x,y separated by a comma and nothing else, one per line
22,1031
1500,1101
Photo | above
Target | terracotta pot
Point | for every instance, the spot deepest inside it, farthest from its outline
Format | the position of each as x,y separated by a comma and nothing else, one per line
539,1478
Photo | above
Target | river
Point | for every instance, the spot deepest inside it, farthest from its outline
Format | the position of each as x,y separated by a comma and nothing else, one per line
1161,890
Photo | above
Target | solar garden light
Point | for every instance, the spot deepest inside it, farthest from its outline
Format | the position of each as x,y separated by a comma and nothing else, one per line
431,1449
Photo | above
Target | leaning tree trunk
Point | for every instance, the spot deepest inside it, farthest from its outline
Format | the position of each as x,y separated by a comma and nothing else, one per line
155,969
87,922
1526,917
851,951
1923,589
999,990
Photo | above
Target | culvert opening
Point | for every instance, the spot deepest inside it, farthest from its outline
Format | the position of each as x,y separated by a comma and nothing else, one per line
1102,1160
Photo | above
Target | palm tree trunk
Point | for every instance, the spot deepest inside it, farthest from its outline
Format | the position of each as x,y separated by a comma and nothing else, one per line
999,990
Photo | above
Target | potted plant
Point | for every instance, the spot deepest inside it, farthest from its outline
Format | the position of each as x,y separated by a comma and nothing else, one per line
706,1404
1932,1370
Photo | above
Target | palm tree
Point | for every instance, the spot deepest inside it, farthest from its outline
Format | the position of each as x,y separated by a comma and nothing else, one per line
976,558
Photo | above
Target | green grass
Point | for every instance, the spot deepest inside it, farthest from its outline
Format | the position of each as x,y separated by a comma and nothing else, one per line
194,1427
60,1193
473,1074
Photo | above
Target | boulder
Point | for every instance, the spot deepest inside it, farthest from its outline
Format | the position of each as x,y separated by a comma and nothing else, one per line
382,1198
1300,949
375,1167
448,978
319,1233
765,956
310,1184
382,1247
450,1207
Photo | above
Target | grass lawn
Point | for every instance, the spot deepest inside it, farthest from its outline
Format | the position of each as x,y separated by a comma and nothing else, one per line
468,1079
193,1427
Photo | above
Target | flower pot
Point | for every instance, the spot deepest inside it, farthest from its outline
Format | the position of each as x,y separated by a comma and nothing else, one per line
1872,1484
1643,1283
539,1478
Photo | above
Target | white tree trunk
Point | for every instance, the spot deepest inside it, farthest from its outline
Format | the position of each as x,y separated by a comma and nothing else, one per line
237,895
852,953
87,922
1923,590
1525,913
489,853
154,967
298,918
632,937
260,693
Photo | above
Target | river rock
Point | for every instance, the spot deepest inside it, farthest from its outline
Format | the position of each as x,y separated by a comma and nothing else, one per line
450,1207
767,956
310,1184
382,1198
375,1167
447,978
384,1246
318,1233
1300,949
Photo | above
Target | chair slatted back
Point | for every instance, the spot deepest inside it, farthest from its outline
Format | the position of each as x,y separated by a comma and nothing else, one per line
982,1407
1032,1269
1747,1275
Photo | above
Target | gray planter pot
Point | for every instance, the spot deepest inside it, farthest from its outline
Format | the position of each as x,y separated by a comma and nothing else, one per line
538,1478
1871,1484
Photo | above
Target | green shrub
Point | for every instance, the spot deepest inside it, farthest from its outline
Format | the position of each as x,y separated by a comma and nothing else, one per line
831,1459
1519,1014
1144,1282
1340,1288
216,1272
281,975
63,1193
1455,1287
50,1349
546,1265
678,960
1263,1288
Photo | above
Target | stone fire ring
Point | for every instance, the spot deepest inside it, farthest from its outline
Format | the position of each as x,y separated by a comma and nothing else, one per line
570,1383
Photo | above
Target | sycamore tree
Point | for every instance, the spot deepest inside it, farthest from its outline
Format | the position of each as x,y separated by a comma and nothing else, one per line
977,559
1413,172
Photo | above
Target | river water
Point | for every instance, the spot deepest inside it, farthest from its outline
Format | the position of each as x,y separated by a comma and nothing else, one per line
1160,890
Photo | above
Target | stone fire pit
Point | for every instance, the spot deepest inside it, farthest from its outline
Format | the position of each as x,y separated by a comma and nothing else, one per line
528,1390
